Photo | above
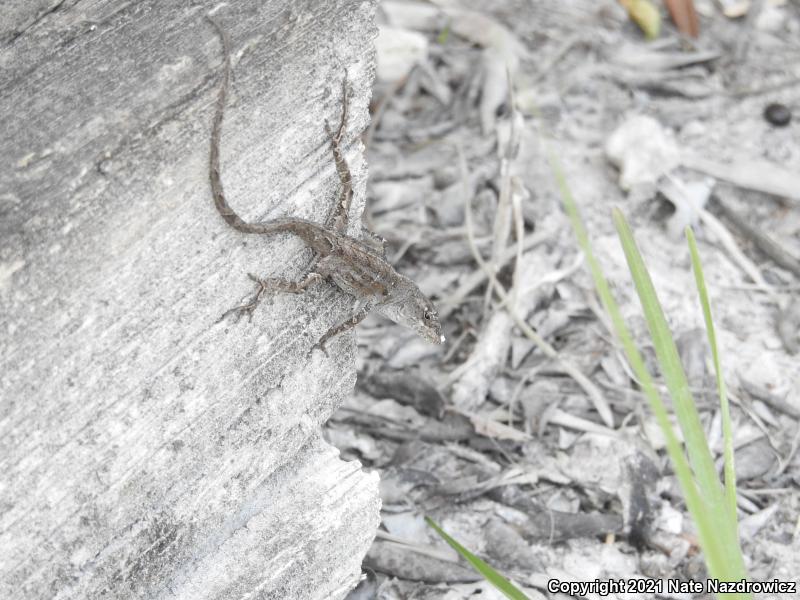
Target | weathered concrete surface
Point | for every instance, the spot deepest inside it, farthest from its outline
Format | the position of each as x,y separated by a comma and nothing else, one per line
146,449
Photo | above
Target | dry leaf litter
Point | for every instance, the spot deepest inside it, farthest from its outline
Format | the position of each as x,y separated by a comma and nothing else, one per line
543,457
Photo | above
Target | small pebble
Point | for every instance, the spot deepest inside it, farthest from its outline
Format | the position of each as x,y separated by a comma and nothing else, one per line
778,114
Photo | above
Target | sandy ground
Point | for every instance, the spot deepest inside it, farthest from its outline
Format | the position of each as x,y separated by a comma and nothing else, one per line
549,463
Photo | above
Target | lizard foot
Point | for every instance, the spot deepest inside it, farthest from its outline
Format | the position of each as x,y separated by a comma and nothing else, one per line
320,345
278,285
251,305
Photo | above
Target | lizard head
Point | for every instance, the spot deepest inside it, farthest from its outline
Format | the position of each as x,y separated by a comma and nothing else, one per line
409,307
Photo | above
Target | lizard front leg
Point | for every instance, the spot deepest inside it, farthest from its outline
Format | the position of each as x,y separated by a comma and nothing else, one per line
277,285
360,315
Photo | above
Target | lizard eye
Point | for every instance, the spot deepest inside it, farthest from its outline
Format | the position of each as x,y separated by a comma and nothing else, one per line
428,315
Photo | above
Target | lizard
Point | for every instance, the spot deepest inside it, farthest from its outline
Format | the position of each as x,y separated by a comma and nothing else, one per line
348,263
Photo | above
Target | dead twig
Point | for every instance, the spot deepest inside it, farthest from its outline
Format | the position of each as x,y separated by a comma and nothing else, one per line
777,253
594,393
476,279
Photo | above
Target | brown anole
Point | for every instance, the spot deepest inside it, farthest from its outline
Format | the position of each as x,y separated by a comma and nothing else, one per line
349,263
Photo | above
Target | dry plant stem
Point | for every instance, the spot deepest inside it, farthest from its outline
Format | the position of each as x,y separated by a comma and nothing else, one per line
744,263
565,419
510,154
763,242
751,174
779,403
500,234
602,317
489,354
477,278
557,275
743,44
493,429
518,390
763,427
430,236
486,360
458,372
729,243
519,232
594,393
750,287
764,90
567,45
473,456
407,245
455,346
502,225
380,108
414,547
785,462
770,491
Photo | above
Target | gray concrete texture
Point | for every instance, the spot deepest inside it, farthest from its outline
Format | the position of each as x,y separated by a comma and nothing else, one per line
148,449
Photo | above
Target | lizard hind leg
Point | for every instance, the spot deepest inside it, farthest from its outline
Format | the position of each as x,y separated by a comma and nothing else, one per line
269,285
373,241
340,214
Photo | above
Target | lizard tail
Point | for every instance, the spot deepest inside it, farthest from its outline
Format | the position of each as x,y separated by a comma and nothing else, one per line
221,203
308,231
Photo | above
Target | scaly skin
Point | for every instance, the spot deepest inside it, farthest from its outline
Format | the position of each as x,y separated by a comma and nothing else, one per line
351,265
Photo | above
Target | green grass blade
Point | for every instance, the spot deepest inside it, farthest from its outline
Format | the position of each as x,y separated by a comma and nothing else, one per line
716,529
626,340
444,34
709,513
691,494
727,430
669,360
492,576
